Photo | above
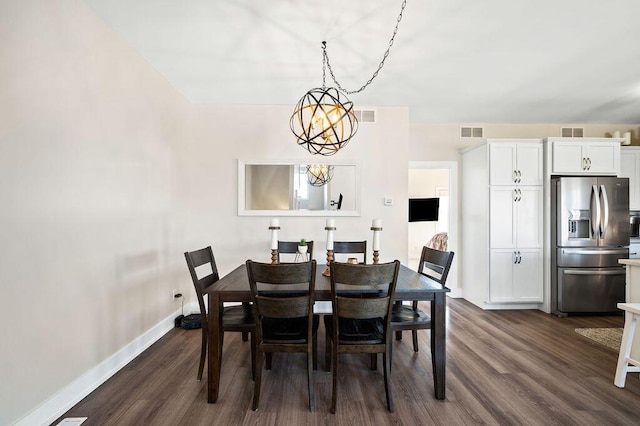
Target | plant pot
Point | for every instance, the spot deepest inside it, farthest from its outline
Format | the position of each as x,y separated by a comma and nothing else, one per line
302,249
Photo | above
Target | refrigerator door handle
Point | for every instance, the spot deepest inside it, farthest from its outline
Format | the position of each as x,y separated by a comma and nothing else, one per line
604,201
597,252
595,212
592,272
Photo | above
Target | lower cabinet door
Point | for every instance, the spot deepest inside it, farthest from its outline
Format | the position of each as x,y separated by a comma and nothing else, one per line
515,276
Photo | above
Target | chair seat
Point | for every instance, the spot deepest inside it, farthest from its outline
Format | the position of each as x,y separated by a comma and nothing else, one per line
405,314
236,317
361,331
287,330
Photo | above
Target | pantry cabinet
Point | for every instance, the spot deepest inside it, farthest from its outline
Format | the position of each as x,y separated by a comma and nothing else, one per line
502,223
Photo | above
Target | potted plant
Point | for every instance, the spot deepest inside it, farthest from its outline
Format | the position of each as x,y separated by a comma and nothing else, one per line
302,246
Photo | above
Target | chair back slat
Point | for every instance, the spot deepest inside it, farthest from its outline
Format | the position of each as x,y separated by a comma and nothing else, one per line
281,274
362,308
283,307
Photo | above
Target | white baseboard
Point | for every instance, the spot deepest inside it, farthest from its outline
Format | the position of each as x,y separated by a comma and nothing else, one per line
70,395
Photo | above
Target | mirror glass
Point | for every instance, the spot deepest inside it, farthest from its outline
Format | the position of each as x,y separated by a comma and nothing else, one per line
294,188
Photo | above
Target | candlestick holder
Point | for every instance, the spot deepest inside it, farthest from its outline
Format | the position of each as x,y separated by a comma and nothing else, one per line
376,241
274,242
327,272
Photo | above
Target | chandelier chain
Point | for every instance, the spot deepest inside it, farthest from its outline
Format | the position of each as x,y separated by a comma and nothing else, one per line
325,59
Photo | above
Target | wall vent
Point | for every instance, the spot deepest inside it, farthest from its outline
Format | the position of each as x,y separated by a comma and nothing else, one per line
471,132
365,115
572,132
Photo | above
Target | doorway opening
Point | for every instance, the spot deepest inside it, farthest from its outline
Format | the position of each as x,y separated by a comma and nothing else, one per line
435,179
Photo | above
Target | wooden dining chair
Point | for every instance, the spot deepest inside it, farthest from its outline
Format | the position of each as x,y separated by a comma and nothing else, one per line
362,298
351,247
283,296
291,247
435,264
234,318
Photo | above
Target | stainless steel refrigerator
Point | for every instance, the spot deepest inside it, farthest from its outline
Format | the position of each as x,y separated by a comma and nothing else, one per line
589,233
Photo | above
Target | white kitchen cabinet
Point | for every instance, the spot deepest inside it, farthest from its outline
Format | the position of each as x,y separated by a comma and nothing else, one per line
577,157
515,163
502,223
516,276
515,218
630,168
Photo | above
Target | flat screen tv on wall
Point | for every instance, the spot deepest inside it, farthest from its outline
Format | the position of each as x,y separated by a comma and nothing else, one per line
423,209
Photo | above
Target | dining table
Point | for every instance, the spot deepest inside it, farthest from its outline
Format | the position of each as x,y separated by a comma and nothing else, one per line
411,285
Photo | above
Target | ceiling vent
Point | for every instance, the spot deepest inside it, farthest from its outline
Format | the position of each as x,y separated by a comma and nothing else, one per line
572,132
471,132
365,115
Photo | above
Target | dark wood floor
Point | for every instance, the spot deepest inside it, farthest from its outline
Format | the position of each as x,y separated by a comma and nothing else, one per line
503,367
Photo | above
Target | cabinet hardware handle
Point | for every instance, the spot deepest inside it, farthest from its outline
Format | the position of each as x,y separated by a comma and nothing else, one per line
517,257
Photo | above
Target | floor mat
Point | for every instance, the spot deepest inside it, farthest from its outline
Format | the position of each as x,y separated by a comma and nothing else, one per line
610,337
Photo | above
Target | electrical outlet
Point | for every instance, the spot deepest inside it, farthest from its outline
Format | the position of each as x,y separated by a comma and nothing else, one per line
174,292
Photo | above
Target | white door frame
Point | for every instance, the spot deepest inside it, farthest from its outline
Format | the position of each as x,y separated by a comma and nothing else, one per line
453,239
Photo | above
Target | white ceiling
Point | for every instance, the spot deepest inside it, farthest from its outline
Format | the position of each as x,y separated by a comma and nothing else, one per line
453,61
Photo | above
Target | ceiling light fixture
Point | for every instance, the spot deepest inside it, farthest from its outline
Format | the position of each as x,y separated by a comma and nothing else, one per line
319,174
324,120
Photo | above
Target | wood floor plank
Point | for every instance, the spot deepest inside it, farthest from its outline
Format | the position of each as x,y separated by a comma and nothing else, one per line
503,367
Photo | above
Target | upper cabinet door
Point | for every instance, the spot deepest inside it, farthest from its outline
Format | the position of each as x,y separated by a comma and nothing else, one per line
586,158
530,164
603,157
518,163
568,157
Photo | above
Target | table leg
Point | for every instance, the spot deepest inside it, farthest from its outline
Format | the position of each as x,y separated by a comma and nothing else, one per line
438,343
215,346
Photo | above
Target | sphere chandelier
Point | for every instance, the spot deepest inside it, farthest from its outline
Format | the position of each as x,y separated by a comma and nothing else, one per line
319,174
324,120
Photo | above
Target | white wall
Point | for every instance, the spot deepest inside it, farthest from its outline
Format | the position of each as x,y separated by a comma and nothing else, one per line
90,183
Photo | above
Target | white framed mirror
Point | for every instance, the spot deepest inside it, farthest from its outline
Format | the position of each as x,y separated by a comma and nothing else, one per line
297,188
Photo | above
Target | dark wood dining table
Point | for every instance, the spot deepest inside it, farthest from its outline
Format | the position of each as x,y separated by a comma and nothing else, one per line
234,287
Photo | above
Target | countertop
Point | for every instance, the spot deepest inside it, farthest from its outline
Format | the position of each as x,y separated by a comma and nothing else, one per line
631,262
